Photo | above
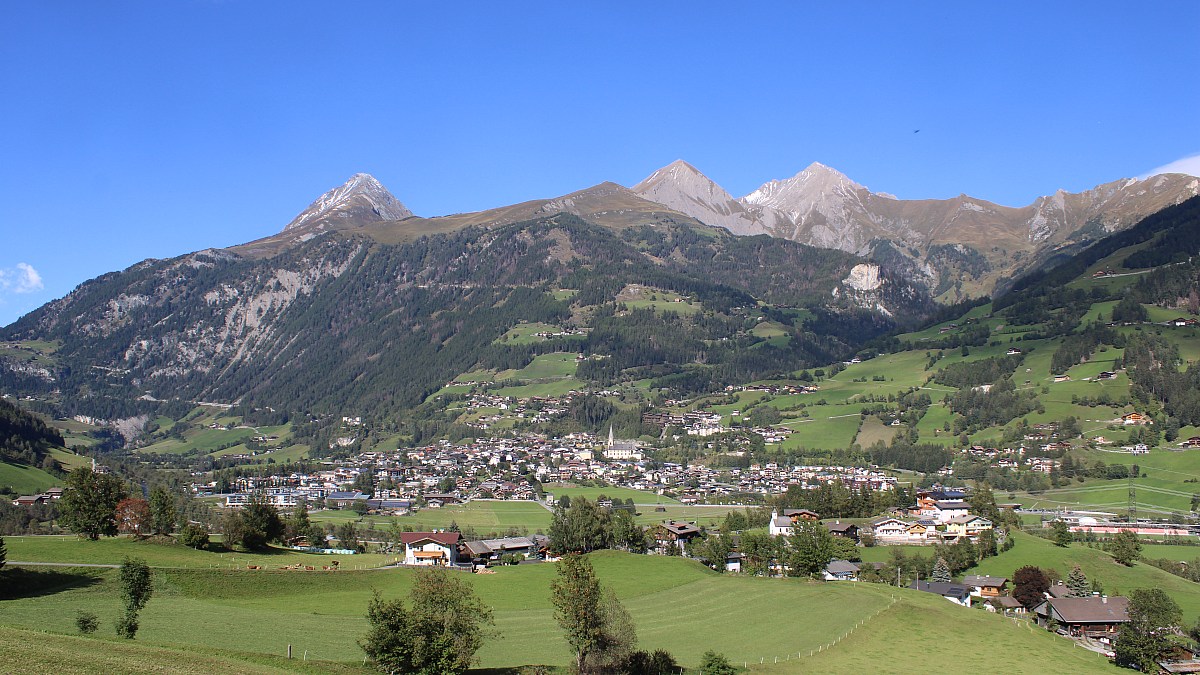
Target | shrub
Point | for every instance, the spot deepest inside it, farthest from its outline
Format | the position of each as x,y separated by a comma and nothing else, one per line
87,622
194,536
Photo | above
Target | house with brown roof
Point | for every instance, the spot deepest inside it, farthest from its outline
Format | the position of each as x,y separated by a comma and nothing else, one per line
1099,616
675,533
985,586
431,548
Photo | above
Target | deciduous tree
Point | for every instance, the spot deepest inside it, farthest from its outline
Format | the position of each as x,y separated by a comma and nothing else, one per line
137,586
89,503
163,513
133,516
1030,584
1153,617
1126,547
440,630
812,549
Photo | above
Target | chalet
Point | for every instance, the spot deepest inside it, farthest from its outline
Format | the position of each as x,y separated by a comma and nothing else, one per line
440,499
1094,617
846,530
431,548
967,525
926,499
488,550
1006,604
30,500
986,587
841,570
956,593
946,510
1193,442
1106,375
1062,378
889,528
797,515
675,533
54,493
1135,418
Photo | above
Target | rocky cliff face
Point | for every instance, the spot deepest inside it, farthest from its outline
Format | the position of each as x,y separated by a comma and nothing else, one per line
956,247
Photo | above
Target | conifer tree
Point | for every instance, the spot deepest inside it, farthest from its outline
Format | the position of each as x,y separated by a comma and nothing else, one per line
1078,584
941,571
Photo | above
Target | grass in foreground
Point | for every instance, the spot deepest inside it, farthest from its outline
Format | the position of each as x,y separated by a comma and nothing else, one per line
676,604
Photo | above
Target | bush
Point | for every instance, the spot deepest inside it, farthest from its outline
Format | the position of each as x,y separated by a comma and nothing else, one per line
87,622
194,536
713,663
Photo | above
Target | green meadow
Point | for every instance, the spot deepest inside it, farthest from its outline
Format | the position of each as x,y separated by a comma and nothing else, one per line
676,604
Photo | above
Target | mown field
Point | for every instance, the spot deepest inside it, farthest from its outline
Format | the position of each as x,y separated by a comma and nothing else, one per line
676,605
111,551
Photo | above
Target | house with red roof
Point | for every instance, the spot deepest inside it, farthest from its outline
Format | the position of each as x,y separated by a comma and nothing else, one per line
431,548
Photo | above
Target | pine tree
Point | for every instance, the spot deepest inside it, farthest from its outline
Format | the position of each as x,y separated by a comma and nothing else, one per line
941,571
1078,584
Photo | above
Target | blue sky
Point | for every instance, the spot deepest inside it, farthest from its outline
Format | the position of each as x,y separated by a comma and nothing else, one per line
131,130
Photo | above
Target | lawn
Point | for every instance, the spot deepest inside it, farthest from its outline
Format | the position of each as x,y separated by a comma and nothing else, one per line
676,605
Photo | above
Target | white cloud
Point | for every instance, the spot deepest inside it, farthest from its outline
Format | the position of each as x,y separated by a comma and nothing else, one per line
1189,165
20,279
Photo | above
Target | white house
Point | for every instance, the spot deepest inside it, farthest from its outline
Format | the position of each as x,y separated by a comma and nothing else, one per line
431,548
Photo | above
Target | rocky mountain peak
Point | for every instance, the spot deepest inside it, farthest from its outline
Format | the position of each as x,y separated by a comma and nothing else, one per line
361,199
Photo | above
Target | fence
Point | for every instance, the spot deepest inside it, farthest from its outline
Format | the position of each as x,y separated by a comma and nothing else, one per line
797,656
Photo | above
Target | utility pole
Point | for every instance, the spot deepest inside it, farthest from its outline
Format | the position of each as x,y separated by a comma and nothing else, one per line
1132,506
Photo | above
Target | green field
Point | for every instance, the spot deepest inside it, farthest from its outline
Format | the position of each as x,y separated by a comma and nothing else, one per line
24,479
593,493
1116,578
111,551
543,366
676,605
483,516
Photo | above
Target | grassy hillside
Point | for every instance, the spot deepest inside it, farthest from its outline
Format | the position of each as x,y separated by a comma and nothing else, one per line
1116,578
25,480
28,651
676,604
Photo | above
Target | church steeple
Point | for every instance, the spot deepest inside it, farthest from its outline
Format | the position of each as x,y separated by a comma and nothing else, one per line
610,436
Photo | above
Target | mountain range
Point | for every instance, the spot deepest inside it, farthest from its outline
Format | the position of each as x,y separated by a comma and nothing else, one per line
956,248
359,304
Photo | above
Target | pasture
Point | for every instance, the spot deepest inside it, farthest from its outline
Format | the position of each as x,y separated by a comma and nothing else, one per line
676,604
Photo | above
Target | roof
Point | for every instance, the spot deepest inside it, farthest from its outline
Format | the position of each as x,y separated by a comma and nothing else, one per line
841,567
782,521
977,580
1059,591
681,528
952,504
1005,602
1090,610
841,527
444,538
944,589
967,518
799,512
347,495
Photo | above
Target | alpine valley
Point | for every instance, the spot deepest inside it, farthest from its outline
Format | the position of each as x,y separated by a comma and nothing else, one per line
358,305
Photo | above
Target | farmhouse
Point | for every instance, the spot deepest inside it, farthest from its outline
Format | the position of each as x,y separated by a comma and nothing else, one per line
840,529
967,525
431,548
956,593
1094,617
673,533
986,587
1135,418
